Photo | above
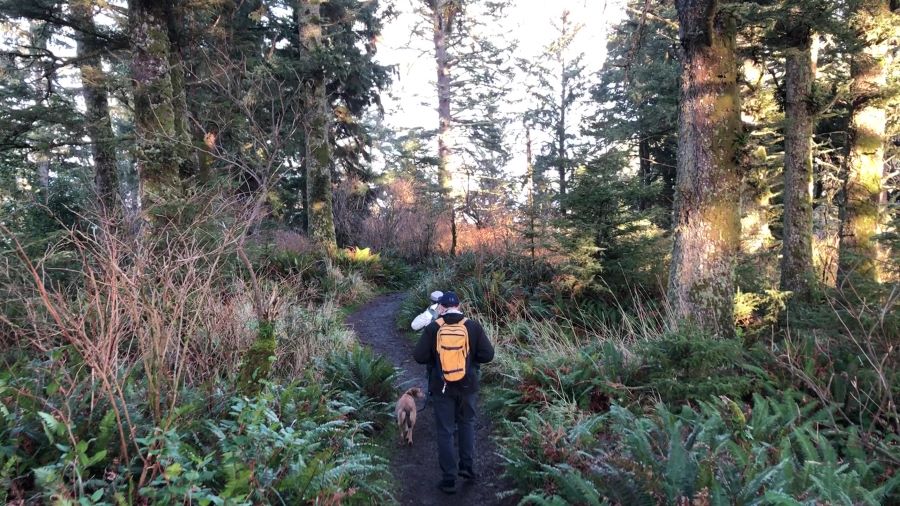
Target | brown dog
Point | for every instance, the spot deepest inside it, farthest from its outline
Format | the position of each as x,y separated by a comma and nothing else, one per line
406,413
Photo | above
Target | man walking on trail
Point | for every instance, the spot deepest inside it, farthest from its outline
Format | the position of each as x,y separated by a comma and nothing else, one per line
454,345
430,314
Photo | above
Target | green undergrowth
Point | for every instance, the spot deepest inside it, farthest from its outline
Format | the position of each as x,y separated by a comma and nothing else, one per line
681,418
302,442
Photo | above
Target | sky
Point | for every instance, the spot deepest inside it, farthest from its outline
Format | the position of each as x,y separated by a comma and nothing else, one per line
412,100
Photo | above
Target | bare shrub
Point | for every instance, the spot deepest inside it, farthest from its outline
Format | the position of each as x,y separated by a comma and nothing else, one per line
161,309
308,331
287,240
402,222
350,205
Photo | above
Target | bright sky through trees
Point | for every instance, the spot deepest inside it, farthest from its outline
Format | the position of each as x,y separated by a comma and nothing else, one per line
412,101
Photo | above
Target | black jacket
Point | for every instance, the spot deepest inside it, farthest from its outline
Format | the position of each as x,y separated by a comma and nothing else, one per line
480,352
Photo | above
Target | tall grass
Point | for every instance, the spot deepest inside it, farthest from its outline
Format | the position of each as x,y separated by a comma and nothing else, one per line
643,409
122,346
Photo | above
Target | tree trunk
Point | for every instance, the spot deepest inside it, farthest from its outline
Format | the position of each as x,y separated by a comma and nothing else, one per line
858,254
707,214
175,18
561,134
644,170
96,102
797,273
532,209
442,13
320,212
157,153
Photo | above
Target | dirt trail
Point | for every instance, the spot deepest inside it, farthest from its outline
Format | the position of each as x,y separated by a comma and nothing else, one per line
416,468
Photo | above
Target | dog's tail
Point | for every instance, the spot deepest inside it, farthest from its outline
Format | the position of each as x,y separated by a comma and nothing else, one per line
404,419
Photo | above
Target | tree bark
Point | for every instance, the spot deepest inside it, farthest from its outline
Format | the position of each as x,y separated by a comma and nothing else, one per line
707,214
644,169
96,102
561,132
858,254
442,14
797,274
157,152
177,70
320,213
532,209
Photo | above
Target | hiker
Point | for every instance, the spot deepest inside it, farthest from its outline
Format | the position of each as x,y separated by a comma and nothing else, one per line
454,385
420,322
430,314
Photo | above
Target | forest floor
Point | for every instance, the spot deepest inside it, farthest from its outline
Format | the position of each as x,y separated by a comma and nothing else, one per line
415,468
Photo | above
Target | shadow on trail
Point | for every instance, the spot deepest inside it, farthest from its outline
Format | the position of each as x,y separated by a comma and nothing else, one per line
415,468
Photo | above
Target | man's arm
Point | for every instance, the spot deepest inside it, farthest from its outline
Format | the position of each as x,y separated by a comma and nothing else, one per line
423,353
484,350
421,321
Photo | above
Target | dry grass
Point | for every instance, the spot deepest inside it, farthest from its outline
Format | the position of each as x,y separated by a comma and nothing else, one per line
163,309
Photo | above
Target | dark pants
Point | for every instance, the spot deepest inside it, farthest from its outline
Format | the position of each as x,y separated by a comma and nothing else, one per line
455,413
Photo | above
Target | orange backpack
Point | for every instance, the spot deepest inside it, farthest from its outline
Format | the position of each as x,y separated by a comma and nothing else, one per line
452,349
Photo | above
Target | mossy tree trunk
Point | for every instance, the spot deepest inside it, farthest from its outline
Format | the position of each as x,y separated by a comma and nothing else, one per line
96,101
256,364
797,274
175,14
157,153
858,255
319,210
443,13
707,210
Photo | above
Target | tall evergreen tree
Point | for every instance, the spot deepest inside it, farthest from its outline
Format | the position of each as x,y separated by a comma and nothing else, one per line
320,214
559,90
707,214
873,24
159,149
470,59
799,77
640,82
444,19
98,123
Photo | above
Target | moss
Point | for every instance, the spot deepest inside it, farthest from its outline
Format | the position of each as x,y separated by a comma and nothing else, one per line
257,361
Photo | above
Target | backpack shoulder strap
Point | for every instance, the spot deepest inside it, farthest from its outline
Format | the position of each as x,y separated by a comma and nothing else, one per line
440,322
463,321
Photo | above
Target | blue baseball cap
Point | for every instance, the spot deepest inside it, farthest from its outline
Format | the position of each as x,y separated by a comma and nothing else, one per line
449,299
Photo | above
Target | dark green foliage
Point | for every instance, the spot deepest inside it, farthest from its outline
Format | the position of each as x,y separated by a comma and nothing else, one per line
770,452
296,443
687,365
612,242
383,271
367,380
257,361
306,266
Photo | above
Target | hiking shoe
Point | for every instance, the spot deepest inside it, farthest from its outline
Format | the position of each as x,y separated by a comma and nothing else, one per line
447,486
467,473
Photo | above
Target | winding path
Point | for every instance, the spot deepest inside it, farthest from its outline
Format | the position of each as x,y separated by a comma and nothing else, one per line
416,468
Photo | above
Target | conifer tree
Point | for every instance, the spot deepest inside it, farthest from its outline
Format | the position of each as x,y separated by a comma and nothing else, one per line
158,150
318,113
640,78
94,88
707,215
796,23
443,15
874,25
469,87
559,89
